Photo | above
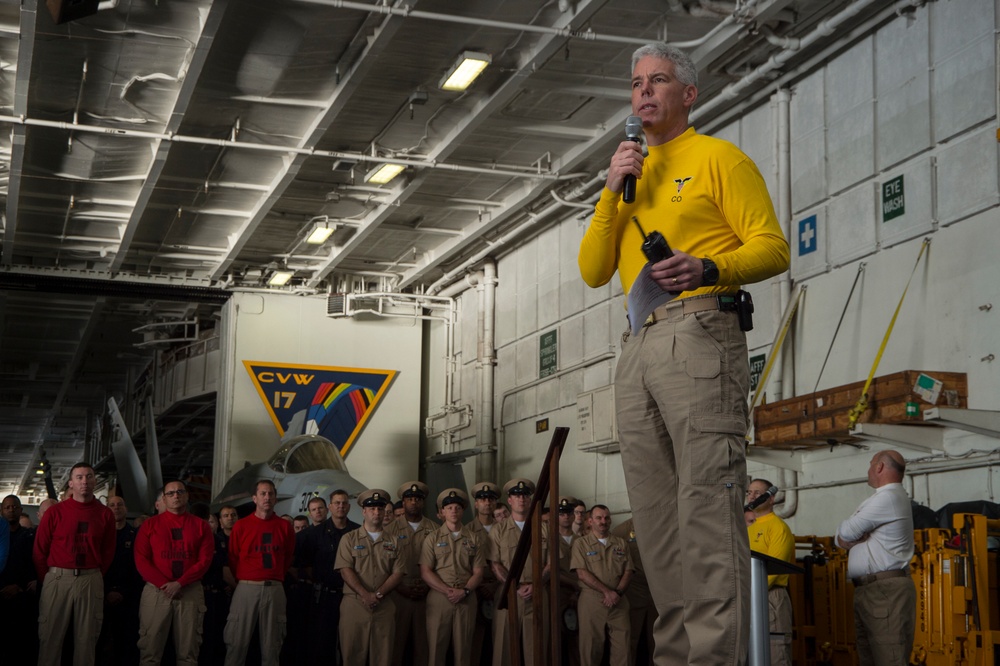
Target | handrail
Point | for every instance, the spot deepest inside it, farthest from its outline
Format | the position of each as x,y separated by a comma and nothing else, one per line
548,480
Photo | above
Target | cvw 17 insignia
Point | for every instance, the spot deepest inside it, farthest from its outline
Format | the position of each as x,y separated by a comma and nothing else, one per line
681,182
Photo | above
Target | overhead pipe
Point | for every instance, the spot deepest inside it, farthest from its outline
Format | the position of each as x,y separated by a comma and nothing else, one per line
407,12
487,363
781,287
533,219
740,11
513,171
826,28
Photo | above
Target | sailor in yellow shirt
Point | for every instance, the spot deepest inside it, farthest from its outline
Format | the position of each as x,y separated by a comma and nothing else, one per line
682,380
770,535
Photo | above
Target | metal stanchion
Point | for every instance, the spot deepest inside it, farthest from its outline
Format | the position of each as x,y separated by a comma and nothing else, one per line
761,566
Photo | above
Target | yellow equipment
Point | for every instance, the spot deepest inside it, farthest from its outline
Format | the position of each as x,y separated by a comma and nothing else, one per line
958,602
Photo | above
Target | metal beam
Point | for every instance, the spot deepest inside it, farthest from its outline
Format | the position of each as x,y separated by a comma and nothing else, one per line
920,438
69,377
545,48
514,205
149,185
979,421
25,53
730,36
287,174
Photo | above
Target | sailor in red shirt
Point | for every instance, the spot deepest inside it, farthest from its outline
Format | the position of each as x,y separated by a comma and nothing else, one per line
74,546
260,553
173,550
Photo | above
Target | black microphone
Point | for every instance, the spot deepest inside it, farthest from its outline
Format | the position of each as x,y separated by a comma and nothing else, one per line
760,499
633,130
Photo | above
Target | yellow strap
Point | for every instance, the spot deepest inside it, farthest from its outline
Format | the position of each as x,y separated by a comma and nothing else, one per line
786,322
862,404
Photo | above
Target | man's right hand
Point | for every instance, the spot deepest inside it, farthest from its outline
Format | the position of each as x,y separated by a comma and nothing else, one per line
626,160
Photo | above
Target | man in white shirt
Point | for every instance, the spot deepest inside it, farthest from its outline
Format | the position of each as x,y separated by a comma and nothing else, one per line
879,537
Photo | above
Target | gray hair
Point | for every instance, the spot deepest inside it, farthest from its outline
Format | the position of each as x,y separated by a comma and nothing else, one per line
684,68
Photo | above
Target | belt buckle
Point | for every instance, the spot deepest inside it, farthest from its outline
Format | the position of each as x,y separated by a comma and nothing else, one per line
76,572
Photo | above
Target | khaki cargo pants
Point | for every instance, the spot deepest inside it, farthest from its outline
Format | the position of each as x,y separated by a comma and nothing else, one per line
681,389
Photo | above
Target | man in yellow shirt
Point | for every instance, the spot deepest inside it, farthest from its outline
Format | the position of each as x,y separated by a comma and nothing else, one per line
682,380
770,535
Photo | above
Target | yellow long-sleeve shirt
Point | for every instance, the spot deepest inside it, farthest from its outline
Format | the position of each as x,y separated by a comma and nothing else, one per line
707,199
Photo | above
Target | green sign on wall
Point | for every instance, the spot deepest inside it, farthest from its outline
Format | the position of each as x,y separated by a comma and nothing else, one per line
893,199
548,354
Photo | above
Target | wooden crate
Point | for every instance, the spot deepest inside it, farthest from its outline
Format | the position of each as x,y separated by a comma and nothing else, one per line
823,418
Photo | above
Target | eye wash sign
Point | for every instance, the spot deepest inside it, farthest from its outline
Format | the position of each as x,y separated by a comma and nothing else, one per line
893,199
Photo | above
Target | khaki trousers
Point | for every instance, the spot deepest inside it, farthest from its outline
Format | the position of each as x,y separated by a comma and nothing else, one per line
779,620
594,617
254,605
367,636
525,613
681,387
411,624
450,624
884,616
157,613
65,597
642,619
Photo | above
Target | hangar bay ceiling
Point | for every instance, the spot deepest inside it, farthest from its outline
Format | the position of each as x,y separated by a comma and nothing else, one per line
158,154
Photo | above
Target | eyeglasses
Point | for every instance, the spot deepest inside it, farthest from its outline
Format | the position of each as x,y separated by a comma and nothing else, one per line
172,493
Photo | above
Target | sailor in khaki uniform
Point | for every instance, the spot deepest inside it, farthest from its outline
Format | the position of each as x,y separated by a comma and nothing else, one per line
452,561
640,601
568,582
530,598
486,495
409,532
604,567
372,566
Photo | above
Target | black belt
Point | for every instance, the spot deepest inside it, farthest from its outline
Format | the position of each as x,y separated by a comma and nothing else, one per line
881,575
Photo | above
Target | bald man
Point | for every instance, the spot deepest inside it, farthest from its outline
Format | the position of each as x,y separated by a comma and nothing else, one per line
879,538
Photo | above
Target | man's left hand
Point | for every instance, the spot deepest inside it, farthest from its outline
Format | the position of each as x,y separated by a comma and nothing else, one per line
681,272
172,590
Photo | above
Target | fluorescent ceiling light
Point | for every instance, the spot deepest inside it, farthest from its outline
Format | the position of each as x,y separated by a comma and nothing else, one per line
465,70
280,278
381,175
320,233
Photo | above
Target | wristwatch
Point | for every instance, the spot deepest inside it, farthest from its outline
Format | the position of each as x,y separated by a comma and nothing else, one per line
709,273
467,591
620,593
379,595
